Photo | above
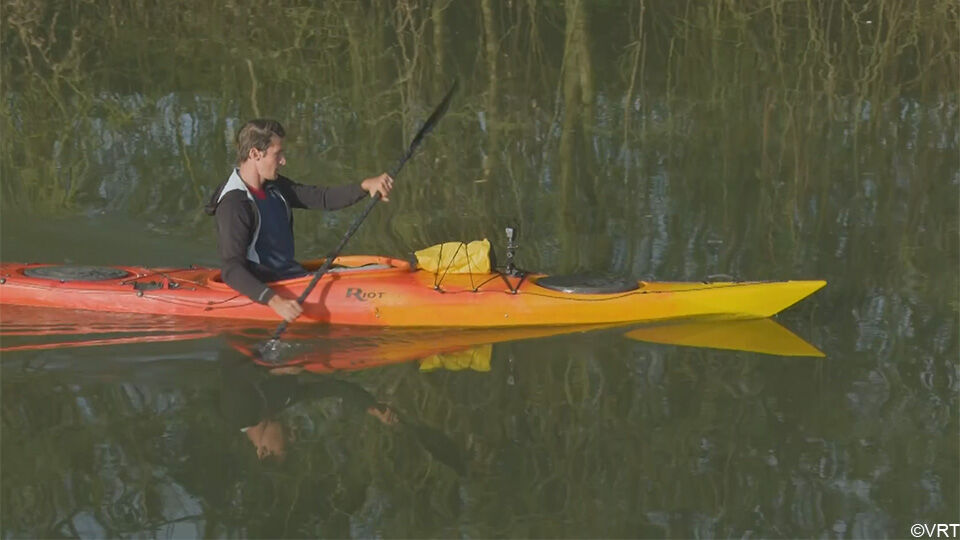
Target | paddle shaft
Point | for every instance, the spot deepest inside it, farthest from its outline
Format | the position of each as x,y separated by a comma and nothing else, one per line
325,267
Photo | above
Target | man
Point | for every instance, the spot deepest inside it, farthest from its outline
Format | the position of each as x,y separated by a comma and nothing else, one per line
254,218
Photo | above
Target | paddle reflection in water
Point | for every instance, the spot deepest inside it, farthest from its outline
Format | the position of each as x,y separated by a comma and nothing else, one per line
253,401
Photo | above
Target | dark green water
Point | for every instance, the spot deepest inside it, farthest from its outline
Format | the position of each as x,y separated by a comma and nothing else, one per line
664,140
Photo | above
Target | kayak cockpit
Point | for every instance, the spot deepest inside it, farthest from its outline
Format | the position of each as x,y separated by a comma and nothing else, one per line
352,264
360,263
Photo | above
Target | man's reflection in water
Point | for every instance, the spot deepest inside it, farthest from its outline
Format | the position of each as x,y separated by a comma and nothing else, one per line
253,397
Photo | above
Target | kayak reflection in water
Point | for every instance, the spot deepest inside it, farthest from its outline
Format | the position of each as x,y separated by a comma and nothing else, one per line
253,209
253,398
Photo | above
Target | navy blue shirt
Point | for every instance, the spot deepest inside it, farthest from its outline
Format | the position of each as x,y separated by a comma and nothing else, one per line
275,242
237,211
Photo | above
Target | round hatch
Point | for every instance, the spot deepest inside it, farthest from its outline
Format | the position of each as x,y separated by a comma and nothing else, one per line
588,284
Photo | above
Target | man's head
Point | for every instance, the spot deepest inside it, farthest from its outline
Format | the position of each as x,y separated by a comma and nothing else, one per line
269,437
261,140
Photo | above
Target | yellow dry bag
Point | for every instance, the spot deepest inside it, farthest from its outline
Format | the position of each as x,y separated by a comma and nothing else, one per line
456,258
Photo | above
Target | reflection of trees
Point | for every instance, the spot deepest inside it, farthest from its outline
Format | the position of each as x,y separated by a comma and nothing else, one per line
578,99
567,436
669,139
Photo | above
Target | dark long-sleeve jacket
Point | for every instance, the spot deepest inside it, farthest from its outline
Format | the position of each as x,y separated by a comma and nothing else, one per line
238,225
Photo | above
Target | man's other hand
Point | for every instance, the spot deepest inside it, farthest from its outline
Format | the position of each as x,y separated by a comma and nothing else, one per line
285,307
378,184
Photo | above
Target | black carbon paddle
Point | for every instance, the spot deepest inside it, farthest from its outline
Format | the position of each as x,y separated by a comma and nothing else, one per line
270,351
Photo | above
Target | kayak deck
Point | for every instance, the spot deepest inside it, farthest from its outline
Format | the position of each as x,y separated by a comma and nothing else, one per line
382,291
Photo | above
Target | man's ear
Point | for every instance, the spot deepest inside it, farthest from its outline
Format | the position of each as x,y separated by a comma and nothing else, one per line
254,154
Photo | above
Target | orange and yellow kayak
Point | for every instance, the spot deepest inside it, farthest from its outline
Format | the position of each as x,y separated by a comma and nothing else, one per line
383,291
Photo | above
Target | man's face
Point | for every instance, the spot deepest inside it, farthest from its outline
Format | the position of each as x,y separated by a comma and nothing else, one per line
269,162
272,441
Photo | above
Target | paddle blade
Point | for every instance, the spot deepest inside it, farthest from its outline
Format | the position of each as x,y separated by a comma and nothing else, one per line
273,351
435,117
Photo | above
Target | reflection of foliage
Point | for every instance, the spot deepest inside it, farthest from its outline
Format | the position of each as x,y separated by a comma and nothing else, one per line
608,438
